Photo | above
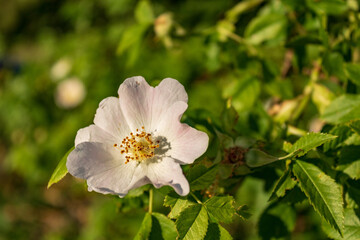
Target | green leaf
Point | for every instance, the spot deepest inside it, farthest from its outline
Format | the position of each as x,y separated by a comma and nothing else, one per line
256,158
323,193
60,170
334,64
221,209
351,227
352,71
321,97
277,221
200,177
216,232
145,228
265,27
303,40
330,7
243,212
177,204
138,191
342,132
162,228
130,38
310,141
144,13
343,109
355,126
284,184
192,223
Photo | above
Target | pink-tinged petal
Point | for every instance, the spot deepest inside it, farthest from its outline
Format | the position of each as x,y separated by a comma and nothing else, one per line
136,102
186,143
103,167
110,117
167,172
94,133
168,92
189,145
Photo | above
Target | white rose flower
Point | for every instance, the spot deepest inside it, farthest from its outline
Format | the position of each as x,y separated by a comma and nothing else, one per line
138,139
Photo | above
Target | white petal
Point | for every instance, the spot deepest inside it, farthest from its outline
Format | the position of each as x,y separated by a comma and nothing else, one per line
103,167
168,92
144,105
94,133
189,145
136,102
186,143
110,118
167,172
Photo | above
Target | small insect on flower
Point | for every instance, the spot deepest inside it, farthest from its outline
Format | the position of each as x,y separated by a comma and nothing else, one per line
138,139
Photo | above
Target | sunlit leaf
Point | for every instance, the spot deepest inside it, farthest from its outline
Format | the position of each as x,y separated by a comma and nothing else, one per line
60,170
323,193
145,228
310,141
162,228
192,223
343,109
221,209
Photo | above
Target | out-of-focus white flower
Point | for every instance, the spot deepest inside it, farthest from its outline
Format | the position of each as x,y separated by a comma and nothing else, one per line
70,93
138,139
60,69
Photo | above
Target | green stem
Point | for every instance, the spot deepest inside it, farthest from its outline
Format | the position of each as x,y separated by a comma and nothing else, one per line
195,197
151,197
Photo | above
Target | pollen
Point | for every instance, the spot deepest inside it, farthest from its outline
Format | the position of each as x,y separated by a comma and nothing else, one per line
138,146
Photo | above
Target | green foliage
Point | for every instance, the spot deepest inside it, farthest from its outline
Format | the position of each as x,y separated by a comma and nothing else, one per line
308,142
275,84
192,222
145,228
200,177
220,209
343,109
323,193
60,170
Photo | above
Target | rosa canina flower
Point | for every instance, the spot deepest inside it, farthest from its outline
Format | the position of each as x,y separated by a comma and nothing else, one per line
138,139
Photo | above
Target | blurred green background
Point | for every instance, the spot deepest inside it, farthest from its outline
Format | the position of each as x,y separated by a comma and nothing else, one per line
59,59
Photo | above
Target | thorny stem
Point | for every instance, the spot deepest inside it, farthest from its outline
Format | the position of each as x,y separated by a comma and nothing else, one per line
151,196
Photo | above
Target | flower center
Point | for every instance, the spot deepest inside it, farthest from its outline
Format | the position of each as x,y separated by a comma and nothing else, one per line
139,146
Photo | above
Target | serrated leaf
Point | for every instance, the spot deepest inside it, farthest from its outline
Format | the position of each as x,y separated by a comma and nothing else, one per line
343,109
221,209
351,227
162,228
177,204
352,71
192,223
256,158
200,177
310,141
284,184
342,132
60,170
145,228
216,232
323,193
